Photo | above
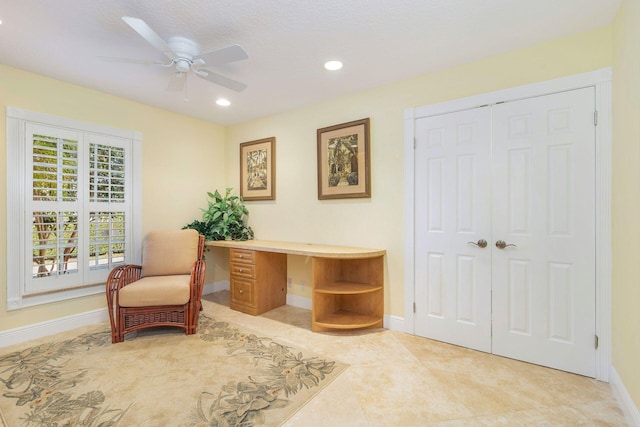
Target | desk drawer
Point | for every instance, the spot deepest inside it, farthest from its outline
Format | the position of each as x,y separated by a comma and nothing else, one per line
242,256
243,270
258,280
242,291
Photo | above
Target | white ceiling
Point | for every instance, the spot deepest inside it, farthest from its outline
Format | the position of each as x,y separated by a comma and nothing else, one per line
379,41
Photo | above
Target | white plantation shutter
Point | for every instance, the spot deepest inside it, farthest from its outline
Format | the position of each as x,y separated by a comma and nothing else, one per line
71,214
55,245
108,204
106,173
53,207
55,167
106,239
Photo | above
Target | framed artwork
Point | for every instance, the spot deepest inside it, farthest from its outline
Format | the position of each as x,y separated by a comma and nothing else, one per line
258,169
344,161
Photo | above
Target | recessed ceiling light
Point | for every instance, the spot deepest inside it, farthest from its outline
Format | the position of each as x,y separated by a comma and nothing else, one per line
333,65
223,102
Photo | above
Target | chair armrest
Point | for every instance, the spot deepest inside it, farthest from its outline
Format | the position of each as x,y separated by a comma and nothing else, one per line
196,286
119,277
197,278
122,276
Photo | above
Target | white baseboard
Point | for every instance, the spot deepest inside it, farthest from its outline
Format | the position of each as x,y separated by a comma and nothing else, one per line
394,323
221,285
50,327
629,409
298,301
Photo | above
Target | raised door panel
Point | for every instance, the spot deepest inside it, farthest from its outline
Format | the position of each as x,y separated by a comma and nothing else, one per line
242,292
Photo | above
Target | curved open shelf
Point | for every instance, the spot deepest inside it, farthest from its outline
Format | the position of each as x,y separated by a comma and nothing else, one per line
347,320
347,288
347,293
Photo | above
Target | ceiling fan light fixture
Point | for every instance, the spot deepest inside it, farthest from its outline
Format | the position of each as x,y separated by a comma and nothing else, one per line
333,65
223,102
182,65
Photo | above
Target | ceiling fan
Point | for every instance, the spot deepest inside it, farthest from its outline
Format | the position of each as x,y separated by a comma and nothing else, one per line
185,56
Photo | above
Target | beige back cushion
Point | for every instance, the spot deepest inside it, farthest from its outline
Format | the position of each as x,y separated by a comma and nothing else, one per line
167,253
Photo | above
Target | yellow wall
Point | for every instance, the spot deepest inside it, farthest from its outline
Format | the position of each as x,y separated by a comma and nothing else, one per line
298,215
626,197
182,158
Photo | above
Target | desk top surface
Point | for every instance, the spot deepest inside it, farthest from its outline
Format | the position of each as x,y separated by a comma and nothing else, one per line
293,248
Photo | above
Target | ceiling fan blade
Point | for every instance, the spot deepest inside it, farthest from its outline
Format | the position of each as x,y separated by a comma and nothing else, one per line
223,56
149,35
177,83
221,80
133,61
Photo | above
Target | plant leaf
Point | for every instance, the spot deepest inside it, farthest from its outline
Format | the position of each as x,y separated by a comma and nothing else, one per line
225,218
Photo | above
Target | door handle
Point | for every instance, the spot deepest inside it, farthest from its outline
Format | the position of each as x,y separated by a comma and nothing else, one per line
501,244
481,243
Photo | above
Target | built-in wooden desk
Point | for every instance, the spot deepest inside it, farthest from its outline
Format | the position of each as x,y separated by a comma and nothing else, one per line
348,282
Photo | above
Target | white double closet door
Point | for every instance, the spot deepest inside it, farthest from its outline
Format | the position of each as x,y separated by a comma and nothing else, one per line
519,176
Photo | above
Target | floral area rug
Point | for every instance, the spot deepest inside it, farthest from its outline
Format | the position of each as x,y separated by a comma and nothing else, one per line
221,376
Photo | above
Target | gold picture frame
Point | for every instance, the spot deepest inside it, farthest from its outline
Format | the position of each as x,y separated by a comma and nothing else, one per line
344,161
258,169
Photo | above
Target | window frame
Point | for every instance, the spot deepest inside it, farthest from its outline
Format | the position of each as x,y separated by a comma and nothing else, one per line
18,168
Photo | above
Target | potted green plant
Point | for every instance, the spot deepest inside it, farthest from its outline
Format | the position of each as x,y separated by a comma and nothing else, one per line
224,219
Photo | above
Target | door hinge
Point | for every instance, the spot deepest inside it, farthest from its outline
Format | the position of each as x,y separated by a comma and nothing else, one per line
595,118
414,307
596,342
414,143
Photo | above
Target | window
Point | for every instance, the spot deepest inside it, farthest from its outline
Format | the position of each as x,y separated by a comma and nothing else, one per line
73,206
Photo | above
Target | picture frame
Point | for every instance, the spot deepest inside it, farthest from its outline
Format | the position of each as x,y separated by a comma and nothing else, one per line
258,169
344,165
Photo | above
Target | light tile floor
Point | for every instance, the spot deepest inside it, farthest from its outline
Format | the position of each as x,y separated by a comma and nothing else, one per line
396,379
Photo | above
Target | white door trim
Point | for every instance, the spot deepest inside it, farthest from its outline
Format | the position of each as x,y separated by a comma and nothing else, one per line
601,80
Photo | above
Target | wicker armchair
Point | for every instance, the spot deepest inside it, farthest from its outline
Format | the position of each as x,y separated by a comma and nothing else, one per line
164,291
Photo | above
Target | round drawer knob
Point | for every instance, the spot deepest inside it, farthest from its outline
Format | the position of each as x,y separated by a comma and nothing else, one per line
239,256
241,291
240,270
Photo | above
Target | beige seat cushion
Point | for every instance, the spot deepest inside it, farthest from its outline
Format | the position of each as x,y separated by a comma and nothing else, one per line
166,253
156,290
